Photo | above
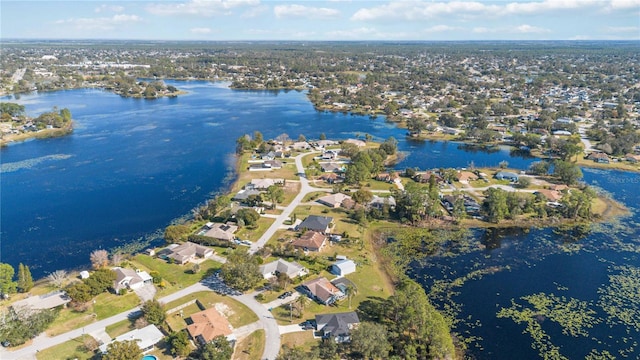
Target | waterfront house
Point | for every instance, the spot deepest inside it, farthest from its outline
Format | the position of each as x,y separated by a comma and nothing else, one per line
551,195
48,301
337,326
599,157
219,231
465,176
310,241
322,291
317,223
263,184
130,279
505,175
632,158
243,195
187,252
280,266
208,324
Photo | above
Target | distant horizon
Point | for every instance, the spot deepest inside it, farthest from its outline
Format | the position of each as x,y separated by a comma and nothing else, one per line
319,41
323,20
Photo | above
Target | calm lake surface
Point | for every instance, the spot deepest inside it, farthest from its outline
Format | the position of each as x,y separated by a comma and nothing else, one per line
132,166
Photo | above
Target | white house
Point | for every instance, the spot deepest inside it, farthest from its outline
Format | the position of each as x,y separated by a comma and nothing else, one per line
130,279
147,338
343,267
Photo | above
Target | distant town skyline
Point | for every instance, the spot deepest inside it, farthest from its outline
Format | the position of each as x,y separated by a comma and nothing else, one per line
229,20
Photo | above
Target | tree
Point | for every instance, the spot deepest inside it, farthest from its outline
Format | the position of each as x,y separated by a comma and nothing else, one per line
348,149
153,312
195,268
351,292
370,340
301,138
79,293
569,173
524,182
362,196
249,216
123,350
25,281
389,146
539,167
495,205
275,194
7,285
100,280
18,327
180,345
58,278
218,349
99,258
176,233
241,271
294,353
323,136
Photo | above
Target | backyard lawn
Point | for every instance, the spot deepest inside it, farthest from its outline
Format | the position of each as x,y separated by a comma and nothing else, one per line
251,347
238,315
175,276
72,349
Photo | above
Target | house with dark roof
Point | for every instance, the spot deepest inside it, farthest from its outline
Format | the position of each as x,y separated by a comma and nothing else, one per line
322,291
337,326
317,223
310,241
505,175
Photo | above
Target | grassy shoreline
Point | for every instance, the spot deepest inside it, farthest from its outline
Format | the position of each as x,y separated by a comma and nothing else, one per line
41,134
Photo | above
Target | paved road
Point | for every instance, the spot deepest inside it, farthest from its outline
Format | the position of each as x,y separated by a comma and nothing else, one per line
266,320
305,188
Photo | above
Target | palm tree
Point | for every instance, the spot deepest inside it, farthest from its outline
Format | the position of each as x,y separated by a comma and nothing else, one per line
351,292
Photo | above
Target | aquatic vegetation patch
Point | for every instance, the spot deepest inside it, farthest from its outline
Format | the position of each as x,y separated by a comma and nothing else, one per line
620,299
30,163
574,316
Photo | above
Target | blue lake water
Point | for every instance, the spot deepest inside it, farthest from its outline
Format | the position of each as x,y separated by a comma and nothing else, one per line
132,166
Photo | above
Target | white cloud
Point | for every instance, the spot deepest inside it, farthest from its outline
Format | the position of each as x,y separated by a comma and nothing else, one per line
528,29
441,28
483,30
102,23
624,4
420,9
199,7
200,30
296,10
254,12
366,33
622,29
111,8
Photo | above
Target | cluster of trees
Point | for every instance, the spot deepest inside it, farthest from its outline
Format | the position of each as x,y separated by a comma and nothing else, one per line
241,271
54,118
217,349
16,328
98,282
8,286
367,163
618,139
404,326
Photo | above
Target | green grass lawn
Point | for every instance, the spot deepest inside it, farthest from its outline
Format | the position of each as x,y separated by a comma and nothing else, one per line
241,316
302,339
69,319
107,304
176,276
377,185
177,322
72,349
119,328
254,234
251,347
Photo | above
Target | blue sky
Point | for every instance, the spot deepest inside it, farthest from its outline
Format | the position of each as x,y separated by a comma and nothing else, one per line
322,20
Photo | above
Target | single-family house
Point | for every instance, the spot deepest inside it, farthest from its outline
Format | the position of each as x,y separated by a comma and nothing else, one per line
333,200
506,175
48,301
387,177
331,178
325,143
633,158
343,267
280,266
310,241
331,167
263,184
146,338
550,195
465,176
207,325
219,231
187,252
244,194
599,157
300,145
266,166
425,177
130,279
379,202
337,326
322,291
317,223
